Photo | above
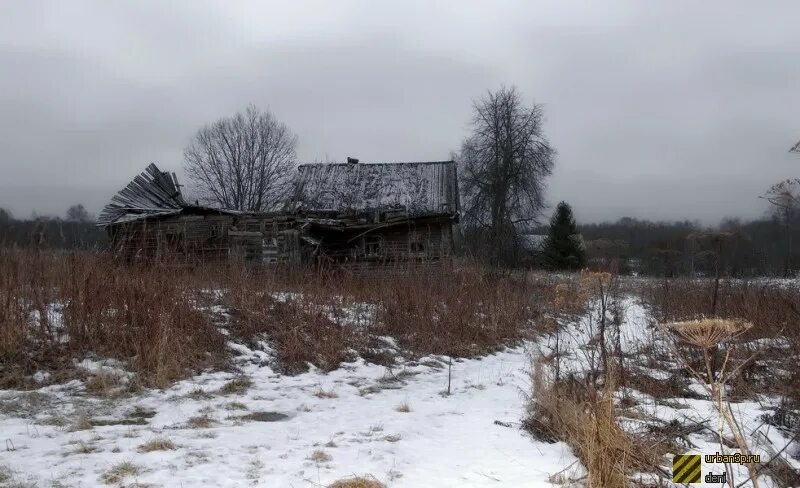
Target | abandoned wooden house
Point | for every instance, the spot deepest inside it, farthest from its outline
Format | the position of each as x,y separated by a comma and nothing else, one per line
349,214
378,213
149,219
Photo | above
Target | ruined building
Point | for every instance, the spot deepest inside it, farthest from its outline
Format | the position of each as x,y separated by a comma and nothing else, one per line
348,214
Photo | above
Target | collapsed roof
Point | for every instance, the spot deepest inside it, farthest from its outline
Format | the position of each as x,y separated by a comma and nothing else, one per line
152,193
420,189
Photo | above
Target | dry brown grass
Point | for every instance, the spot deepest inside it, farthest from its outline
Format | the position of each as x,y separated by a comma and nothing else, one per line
466,313
236,386
106,385
320,393
81,423
117,473
766,351
320,456
357,482
56,307
202,421
586,420
157,444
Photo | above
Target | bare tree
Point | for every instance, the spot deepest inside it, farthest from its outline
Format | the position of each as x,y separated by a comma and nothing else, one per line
785,199
242,162
503,165
5,216
78,213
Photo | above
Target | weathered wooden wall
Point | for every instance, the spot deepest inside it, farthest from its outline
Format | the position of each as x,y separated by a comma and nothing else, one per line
278,239
419,242
206,238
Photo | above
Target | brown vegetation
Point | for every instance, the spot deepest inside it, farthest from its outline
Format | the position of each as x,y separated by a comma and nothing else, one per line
750,343
766,352
586,419
57,307
167,322
357,482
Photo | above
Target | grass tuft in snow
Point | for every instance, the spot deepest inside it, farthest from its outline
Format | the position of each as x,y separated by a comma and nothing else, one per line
84,448
264,416
202,421
236,386
320,456
157,444
81,423
117,473
140,412
357,482
320,393
105,384
200,394
235,406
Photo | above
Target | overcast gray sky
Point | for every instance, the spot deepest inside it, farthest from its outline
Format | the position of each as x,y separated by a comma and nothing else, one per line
661,110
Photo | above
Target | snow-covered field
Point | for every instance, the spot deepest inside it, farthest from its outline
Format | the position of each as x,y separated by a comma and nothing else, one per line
346,422
397,424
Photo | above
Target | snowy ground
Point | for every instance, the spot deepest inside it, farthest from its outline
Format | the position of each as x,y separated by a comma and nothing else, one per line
351,415
397,425
638,330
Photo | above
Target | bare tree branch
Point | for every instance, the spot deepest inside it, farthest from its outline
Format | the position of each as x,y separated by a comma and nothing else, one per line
503,165
242,162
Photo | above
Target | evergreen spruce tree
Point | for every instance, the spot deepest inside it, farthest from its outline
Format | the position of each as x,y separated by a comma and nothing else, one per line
562,248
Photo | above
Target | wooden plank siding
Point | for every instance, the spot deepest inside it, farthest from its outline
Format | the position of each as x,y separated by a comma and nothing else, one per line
207,238
194,239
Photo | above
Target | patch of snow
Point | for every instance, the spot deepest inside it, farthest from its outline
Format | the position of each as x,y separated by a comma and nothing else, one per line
351,414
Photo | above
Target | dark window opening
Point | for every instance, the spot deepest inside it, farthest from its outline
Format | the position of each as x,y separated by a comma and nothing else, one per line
373,246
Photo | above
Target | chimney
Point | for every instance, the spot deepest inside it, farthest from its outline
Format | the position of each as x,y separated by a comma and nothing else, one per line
352,160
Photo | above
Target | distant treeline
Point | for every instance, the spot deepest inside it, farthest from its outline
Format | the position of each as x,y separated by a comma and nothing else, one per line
760,247
755,248
51,233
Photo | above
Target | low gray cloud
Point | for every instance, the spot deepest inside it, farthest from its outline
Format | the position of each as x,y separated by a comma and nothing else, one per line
666,110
